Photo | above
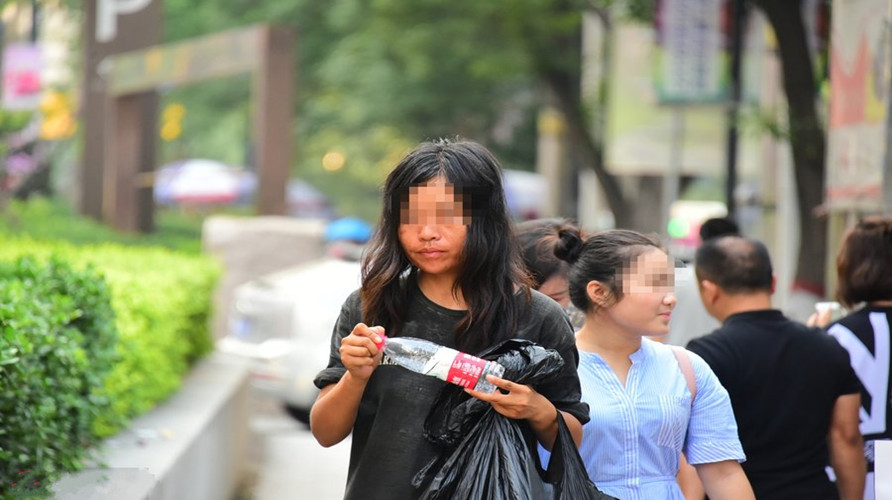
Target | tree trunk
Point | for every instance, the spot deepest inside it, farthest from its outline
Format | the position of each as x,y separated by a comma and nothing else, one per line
588,141
590,153
806,139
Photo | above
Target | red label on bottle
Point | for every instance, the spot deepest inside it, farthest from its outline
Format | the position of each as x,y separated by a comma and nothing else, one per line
465,370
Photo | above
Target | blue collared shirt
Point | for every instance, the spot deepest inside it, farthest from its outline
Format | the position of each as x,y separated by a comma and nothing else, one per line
631,445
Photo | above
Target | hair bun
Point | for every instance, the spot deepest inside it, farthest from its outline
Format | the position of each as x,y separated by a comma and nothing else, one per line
569,245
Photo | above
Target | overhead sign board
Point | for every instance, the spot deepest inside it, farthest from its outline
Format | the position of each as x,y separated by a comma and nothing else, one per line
214,56
859,93
22,82
690,66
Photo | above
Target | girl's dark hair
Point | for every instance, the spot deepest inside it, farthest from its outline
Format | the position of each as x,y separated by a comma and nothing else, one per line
492,270
601,257
538,239
863,263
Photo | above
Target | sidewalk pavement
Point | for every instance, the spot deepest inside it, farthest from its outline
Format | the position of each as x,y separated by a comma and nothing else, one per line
285,461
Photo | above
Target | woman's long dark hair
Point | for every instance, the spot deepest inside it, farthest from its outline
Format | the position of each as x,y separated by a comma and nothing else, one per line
491,266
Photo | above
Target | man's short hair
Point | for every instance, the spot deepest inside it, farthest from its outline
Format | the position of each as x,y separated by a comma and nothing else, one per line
718,226
736,264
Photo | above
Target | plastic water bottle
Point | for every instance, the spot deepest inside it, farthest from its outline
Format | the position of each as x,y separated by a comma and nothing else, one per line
425,357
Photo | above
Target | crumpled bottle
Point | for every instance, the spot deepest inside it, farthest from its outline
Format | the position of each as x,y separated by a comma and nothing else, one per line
428,358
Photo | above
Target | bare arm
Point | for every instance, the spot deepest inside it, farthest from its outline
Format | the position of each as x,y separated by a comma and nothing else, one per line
334,412
688,481
546,429
847,447
725,480
523,402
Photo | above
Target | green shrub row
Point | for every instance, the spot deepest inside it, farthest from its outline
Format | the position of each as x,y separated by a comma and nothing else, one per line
57,346
51,219
161,306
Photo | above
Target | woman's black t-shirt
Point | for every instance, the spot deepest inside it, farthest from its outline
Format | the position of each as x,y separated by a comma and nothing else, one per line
389,446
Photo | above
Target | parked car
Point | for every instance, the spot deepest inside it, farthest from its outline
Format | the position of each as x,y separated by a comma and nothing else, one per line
283,321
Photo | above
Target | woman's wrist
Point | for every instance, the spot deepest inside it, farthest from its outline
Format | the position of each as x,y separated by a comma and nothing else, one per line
354,383
546,415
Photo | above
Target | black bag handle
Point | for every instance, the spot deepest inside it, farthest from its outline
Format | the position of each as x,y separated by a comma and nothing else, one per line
566,470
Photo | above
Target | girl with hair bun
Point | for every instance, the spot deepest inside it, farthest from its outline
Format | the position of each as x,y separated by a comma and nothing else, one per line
648,402
538,239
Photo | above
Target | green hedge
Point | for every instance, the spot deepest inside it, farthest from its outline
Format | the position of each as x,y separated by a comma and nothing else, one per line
57,347
161,302
52,220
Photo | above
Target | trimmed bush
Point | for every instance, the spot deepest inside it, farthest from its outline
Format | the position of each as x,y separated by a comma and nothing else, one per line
57,347
161,302
52,220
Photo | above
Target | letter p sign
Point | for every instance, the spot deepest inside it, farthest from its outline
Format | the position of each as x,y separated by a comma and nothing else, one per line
107,12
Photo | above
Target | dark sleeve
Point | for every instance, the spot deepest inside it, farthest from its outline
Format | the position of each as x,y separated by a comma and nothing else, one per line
707,348
696,347
349,317
563,391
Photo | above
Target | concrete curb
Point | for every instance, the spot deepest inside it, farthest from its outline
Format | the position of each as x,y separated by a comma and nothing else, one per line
192,446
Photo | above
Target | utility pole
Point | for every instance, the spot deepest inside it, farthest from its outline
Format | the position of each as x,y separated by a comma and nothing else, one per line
35,21
738,13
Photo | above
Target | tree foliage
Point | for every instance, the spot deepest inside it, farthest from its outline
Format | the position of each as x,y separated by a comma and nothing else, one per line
374,79
807,138
377,76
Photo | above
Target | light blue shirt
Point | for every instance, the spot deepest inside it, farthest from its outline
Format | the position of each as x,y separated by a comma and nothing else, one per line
631,445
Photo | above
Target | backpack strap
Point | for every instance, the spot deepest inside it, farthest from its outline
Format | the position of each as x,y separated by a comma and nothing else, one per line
687,369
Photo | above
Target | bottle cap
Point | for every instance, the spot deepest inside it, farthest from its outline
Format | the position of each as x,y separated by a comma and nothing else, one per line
380,345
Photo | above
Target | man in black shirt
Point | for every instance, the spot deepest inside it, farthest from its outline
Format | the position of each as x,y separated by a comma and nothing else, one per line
794,393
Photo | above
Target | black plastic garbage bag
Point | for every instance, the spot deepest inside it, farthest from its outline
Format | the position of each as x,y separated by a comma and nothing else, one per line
566,470
489,456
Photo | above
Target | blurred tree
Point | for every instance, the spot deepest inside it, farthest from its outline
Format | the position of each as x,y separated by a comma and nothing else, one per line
374,79
806,131
807,138
434,65
551,33
377,77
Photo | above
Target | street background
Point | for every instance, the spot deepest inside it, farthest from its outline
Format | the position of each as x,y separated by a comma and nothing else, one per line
168,166
285,461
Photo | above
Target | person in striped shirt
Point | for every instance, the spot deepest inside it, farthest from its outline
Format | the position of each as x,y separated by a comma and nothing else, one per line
864,285
643,411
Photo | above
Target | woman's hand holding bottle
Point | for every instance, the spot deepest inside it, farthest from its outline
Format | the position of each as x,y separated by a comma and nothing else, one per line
359,352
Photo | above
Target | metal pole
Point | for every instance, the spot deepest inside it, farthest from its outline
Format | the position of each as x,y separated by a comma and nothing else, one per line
739,13
673,173
35,20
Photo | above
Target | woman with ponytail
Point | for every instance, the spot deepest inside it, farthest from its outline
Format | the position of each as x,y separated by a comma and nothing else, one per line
648,403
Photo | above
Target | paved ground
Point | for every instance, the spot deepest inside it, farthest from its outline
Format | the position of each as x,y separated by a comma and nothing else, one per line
286,462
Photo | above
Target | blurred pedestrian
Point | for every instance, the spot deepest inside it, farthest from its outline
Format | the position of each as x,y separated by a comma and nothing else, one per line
690,319
648,402
864,283
794,394
537,239
443,265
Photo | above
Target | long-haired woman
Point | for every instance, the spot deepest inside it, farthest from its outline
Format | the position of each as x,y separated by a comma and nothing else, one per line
443,266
